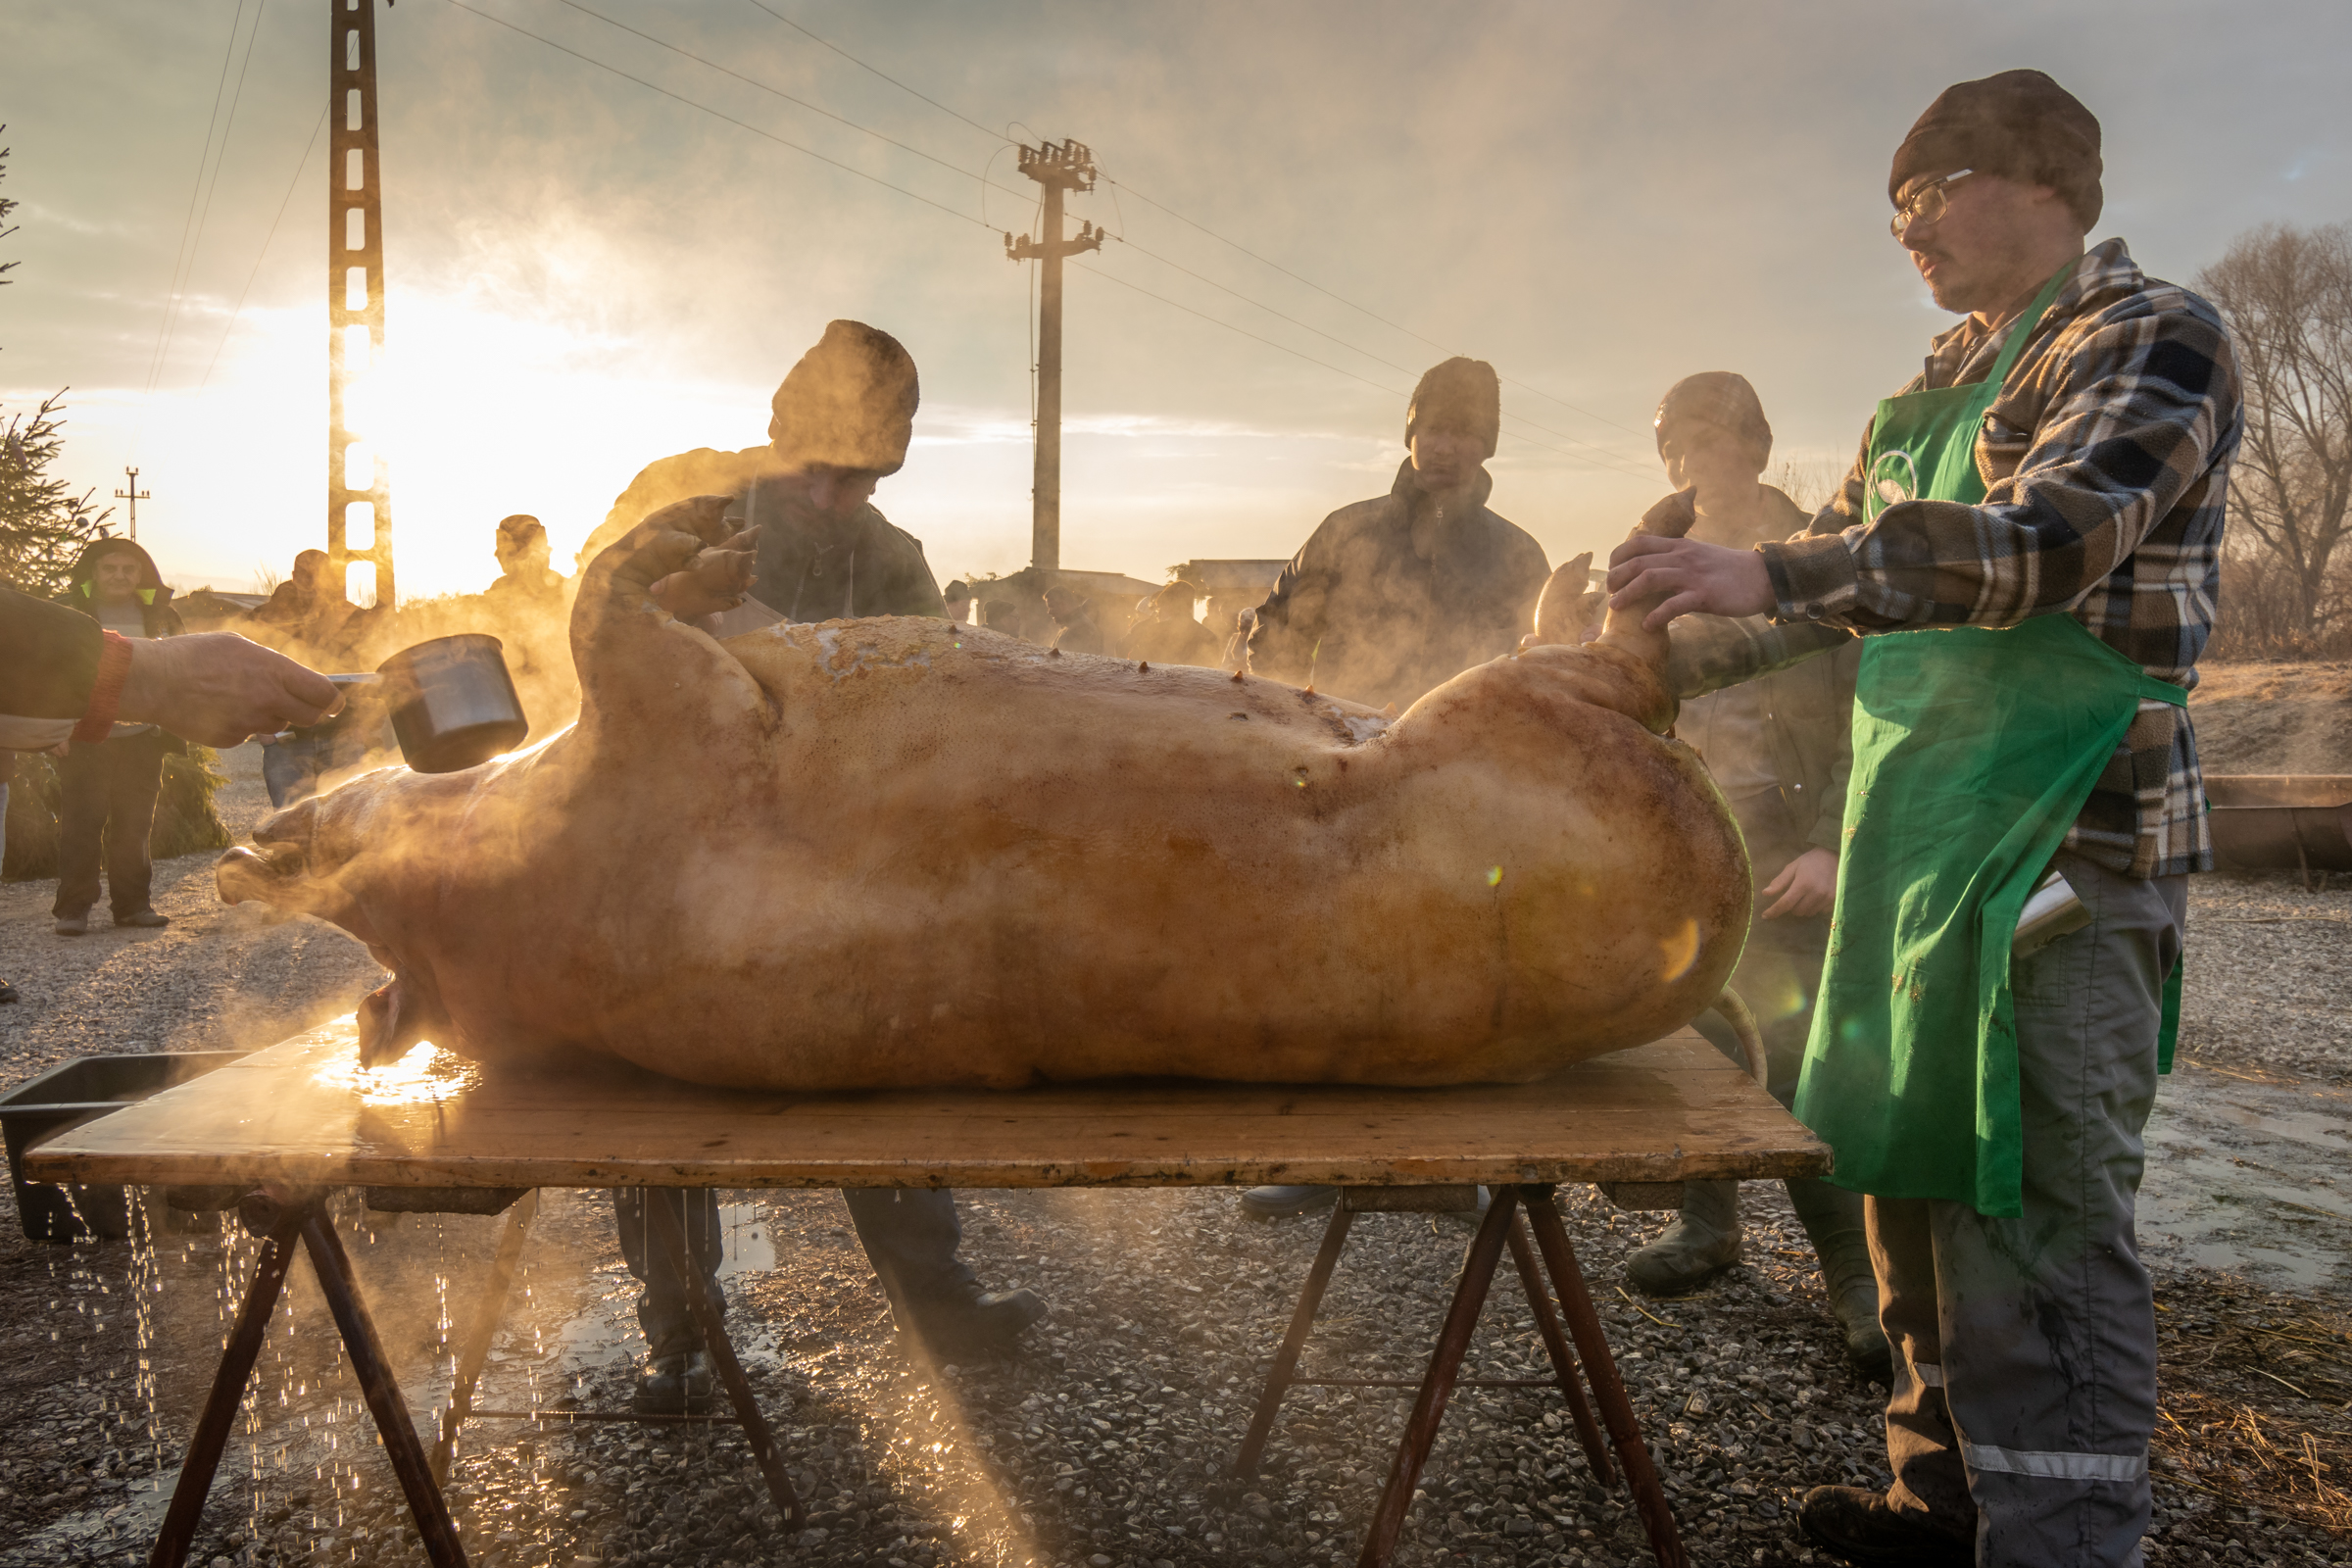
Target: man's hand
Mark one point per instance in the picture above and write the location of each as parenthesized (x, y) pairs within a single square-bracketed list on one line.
[(1692, 578), (217, 688), (1806, 885)]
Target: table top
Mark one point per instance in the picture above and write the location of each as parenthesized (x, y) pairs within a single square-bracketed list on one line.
[(303, 1112)]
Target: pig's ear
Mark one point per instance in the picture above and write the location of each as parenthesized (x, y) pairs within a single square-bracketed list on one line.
[(639, 666)]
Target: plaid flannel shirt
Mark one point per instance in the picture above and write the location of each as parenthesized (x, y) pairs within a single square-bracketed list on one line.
[(2106, 465)]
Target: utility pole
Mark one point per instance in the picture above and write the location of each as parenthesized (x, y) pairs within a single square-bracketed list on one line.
[(355, 272), (135, 495), (1058, 168)]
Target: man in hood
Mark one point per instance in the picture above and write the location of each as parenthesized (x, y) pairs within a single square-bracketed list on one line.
[(110, 785), (1395, 596)]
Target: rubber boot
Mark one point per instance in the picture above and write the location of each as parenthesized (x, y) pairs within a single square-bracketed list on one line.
[(1832, 1220), (1701, 1243)]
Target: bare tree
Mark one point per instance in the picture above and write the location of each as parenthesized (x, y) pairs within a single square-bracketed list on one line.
[(2287, 294)]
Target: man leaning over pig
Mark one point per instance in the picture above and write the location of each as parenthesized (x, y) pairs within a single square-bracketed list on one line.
[(842, 422)]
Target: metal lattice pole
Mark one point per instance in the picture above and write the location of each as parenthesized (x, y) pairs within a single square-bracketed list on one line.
[(355, 270)]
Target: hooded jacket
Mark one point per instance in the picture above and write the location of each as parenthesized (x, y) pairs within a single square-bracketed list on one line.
[(1360, 615), (155, 614)]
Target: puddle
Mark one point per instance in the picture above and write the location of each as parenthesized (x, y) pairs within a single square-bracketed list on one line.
[(2250, 1178)]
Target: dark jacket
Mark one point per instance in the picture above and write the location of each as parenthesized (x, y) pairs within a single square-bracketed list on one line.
[(1803, 713), (1082, 633), (812, 566), (48, 657), (1364, 618)]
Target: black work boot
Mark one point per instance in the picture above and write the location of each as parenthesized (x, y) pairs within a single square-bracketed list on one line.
[(1859, 1527), (1832, 1220), (677, 1383), (966, 1327), (1701, 1243)]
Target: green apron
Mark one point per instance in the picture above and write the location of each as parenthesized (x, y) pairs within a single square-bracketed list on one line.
[(1975, 749)]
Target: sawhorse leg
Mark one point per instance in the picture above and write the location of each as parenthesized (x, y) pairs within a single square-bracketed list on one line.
[(483, 1332), (282, 1223), (1563, 1360), (1286, 1359), (1583, 1326), (662, 1230)]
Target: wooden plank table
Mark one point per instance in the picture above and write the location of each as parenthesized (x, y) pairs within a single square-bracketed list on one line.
[(287, 1124)]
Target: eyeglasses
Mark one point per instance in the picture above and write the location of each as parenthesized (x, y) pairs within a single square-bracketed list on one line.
[(1926, 204)]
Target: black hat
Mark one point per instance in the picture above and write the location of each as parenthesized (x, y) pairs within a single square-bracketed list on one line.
[(1722, 399), (2019, 124), (1462, 393)]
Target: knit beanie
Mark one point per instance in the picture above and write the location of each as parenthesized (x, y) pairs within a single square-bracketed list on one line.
[(2019, 124), (1722, 399), (848, 404)]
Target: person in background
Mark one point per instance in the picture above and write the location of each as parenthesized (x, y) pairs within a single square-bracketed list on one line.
[(1778, 747), (524, 575), (1002, 614), (1078, 631), (1395, 596), (1165, 633), (108, 786), (960, 601), (842, 422), (310, 609)]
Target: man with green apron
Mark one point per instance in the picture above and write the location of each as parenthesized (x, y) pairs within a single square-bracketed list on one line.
[(2029, 545)]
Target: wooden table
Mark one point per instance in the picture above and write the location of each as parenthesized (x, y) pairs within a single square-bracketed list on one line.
[(286, 1124)]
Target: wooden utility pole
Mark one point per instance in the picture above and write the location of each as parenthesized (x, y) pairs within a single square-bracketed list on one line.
[(135, 495), (1058, 168), (355, 270)]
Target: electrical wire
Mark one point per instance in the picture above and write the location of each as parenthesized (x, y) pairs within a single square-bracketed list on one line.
[(1604, 460), (869, 69), (203, 218), (769, 135), (300, 165), (155, 357), (1263, 261)]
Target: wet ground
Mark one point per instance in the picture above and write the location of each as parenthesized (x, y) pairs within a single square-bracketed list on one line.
[(1105, 1442)]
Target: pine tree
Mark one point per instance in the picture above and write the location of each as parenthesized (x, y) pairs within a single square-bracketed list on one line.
[(43, 525)]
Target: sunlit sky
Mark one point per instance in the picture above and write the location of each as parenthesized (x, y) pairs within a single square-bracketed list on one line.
[(585, 275)]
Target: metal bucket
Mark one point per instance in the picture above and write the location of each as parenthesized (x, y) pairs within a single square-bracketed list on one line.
[(2282, 821), (452, 701)]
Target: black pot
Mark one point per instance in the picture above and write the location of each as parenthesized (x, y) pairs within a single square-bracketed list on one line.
[(452, 701)]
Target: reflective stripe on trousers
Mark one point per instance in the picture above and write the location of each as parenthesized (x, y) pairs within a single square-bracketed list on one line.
[(2025, 1387)]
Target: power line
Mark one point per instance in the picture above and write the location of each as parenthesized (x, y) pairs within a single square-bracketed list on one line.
[(869, 69), (204, 219), (1600, 463), (1263, 261), (300, 165), (770, 135), (155, 359), (781, 93)]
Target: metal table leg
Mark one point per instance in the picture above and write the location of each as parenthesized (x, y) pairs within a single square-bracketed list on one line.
[(483, 1333), (1286, 1359), (203, 1459), (1563, 1360), (1429, 1408), (662, 1230), (1583, 1326), (384, 1399)]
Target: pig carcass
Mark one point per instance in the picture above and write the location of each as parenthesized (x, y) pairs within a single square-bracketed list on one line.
[(902, 852)]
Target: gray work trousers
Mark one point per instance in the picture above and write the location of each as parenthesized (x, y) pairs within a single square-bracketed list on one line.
[(2024, 1350)]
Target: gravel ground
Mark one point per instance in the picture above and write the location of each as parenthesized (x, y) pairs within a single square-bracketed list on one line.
[(1104, 1443)]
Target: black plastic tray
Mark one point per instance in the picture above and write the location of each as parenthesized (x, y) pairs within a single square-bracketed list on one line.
[(69, 1095)]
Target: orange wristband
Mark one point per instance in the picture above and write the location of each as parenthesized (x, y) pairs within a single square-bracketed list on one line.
[(105, 692)]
